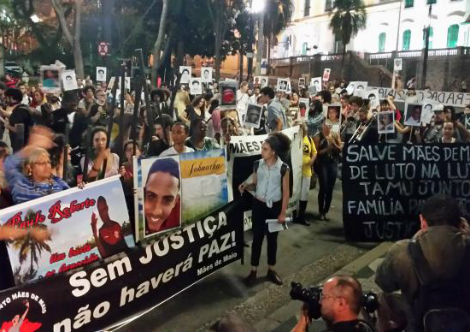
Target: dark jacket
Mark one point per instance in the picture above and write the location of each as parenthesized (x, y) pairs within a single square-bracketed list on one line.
[(443, 247)]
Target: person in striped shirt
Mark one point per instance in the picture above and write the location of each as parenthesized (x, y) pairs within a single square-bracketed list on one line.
[(29, 173)]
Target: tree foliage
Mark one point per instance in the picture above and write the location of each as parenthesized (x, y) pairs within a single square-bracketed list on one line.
[(347, 18)]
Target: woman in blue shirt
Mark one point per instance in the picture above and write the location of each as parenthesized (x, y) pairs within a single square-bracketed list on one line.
[(35, 179), (270, 181)]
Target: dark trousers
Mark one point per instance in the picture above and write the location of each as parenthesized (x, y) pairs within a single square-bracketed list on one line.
[(327, 173), (260, 213)]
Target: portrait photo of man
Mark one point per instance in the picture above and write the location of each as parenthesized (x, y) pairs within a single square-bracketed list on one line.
[(101, 74), (385, 122), (373, 97), (206, 75), (162, 196), (413, 115), (264, 82), (109, 238), (253, 115), (195, 86), (283, 86), (186, 73)]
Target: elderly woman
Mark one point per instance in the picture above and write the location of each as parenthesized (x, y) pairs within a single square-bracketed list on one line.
[(35, 180)]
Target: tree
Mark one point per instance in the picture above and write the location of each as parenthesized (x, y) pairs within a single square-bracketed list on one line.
[(223, 14), (347, 18), (29, 246), (72, 32), (156, 52), (277, 15)]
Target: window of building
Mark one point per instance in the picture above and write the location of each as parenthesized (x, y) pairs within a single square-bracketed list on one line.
[(304, 48), (382, 38), (306, 11), (329, 4), (406, 40), (452, 35), (430, 44), (409, 3)]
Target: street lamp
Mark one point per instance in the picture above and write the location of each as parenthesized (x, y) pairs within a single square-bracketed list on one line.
[(257, 9)]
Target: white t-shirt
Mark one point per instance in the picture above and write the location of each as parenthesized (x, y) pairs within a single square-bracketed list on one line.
[(172, 152)]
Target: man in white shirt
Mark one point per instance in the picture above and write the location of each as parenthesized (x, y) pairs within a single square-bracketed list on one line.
[(179, 134), (242, 100)]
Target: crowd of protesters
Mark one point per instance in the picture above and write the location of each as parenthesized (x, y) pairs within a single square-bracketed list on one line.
[(88, 139), (54, 142)]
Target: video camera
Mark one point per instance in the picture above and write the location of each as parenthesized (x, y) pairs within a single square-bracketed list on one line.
[(312, 295)]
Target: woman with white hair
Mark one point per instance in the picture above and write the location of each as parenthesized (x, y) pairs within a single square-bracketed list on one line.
[(29, 172)]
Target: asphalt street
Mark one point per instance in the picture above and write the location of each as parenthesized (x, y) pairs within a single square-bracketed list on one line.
[(306, 254)]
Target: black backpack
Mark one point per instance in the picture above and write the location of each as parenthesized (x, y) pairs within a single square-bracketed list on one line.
[(440, 305)]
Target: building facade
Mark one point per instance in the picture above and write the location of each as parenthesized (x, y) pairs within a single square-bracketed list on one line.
[(392, 25)]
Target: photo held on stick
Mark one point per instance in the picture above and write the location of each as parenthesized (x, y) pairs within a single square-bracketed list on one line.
[(212, 165)]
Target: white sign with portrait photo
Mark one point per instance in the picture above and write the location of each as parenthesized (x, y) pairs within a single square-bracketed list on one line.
[(316, 82), (186, 74), (69, 80), (264, 81), (385, 122), (283, 85), (374, 100), (195, 86), (413, 115), (253, 116), (360, 89), (101, 74), (397, 64), (428, 111), (206, 74)]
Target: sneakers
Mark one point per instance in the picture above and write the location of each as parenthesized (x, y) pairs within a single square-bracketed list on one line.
[(251, 278), (274, 277)]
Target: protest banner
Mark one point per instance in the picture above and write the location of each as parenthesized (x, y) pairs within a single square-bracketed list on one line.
[(180, 179), (101, 295), (244, 150), (86, 225), (456, 99), (50, 79), (385, 185)]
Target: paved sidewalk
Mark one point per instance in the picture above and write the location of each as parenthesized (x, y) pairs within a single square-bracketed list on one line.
[(284, 318)]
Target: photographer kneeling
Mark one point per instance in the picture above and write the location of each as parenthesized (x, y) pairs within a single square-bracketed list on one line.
[(340, 302)]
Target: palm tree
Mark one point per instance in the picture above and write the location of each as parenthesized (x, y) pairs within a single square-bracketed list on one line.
[(28, 245), (347, 18), (277, 15)]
